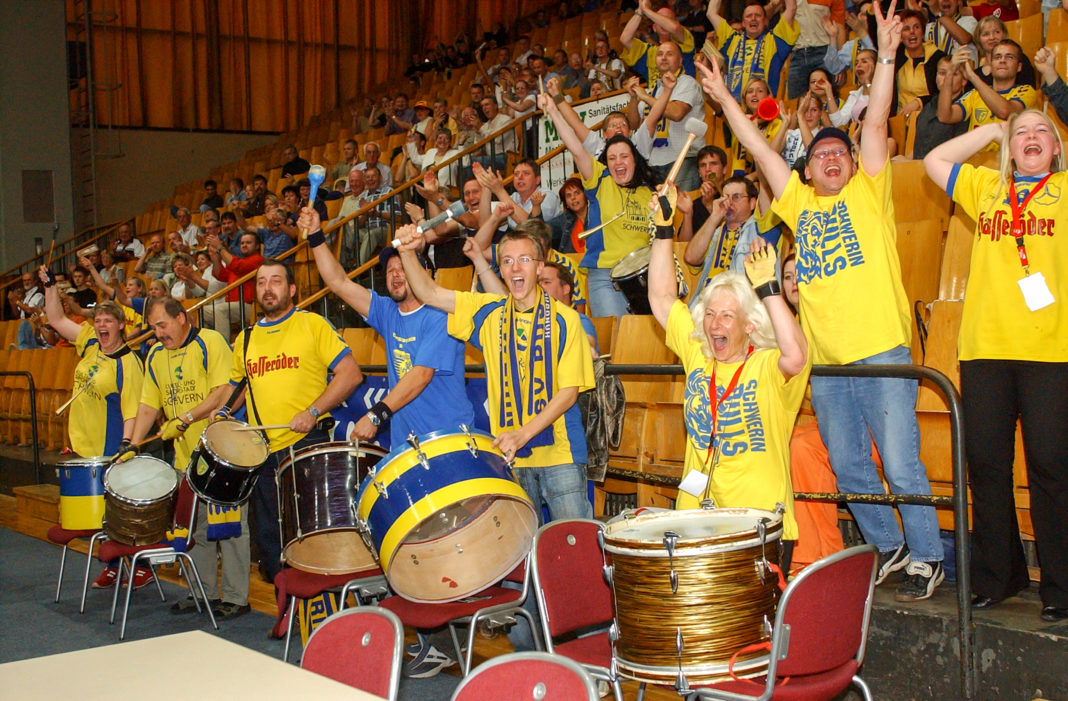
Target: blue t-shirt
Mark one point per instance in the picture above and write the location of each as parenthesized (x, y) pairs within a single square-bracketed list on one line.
[(420, 338), (275, 243), (591, 331)]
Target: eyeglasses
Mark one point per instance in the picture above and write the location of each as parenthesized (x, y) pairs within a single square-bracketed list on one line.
[(835, 153), (522, 260), (737, 197)]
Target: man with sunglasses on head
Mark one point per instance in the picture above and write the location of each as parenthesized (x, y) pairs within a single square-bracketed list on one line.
[(854, 312)]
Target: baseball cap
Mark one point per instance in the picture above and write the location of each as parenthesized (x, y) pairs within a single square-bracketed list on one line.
[(421, 104), (825, 134)]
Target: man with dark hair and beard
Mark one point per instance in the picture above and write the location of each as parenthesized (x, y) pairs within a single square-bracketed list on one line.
[(426, 364)]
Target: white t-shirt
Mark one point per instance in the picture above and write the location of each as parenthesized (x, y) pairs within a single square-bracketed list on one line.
[(671, 135)]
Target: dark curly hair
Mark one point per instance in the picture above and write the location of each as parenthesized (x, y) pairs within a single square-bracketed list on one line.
[(643, 174)]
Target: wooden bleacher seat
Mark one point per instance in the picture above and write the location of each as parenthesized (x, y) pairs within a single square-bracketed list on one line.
[(1027, 32), (1029, 7), (919, 248), (1057, 30), (606, 332), (915, 196), (361, 341), (458, 279), (956, 258), (943, 328)]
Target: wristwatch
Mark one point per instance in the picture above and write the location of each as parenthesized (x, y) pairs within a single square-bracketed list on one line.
[(314, 412), (374, 418)]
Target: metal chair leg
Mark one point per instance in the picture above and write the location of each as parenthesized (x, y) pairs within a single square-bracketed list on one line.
[(200, 585), (289, 628), (115, 591), (97, 538), (62, 564)]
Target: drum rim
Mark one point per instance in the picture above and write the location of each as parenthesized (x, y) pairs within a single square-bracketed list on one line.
[(109, 492), (203, 444), (329, 447), (433, 436), (754, 664), (689, 514), (628, 276), (94, 461)]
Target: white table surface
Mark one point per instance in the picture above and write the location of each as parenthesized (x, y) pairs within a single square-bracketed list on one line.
[(182, 666)]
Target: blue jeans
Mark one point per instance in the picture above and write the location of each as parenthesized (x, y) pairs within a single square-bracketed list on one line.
[(26, 339), (802, 62), (605, 299), (563, 489), (847, 409)]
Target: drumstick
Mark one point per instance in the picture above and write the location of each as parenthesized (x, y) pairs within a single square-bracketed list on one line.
[(271, 427), (696, 128), (77, 394), (594, 230)]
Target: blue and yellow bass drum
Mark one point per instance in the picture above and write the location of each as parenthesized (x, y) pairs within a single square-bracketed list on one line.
[(446, 516), (81, 493)]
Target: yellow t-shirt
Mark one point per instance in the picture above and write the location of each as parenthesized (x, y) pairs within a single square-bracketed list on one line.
[(753, 424), (178, 380), (763, 57), (977, 113), (287, 366), (477, 319), (995, 323), (112, 387), (630, 232), (639, 49)]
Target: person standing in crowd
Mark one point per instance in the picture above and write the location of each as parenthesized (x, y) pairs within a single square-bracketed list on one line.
[(1013, 350), (854, 312)]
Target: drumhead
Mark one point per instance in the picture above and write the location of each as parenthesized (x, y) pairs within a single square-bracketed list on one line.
[(631, 264), (141, 479), (242, 448), (693, 526), (84, 462)]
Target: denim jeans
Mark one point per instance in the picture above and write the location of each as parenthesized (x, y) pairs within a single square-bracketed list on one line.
[(604, 298), (847, 409), (802, 62), (563, 489), (26, 339)]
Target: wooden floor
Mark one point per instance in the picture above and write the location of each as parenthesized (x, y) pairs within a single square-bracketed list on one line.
[(261, 596)]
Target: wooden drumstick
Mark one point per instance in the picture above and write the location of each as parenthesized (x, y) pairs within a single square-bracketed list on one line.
[(594, 230), (271, 427), (77, 394), (695, 128)]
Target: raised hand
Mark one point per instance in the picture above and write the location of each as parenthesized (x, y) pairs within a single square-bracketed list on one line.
[(712, 82), (889, 28)]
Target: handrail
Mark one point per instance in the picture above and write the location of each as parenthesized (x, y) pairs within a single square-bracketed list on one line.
[(33, 419)]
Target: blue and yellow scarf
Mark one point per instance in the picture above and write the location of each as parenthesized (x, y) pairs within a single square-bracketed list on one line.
[(527, 367)]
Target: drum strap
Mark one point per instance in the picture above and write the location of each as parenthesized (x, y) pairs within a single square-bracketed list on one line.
[(254, 418)]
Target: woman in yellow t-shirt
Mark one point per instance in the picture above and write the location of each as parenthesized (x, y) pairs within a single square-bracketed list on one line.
[(1013, 349), (742, 346)]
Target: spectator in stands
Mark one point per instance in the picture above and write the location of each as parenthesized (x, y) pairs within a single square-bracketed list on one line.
[(621, 183), (841, 56), (214, 314), (498, 148), (349, 157), (276, 236), (81, 292), (916, 63), (154, 262), (126, 247), (371, 155), (592, 141), (189, 231), (1052, 84), (641, 55), (792, 140), (986, 36), (470, 122), (857, 100), (400, 117), (292, 164), (711, 168), (109, 270), (670, 135), (540, 66), (526, 181), (431, 158), (558, 280), (477, 92), (442, 121), (522, 49), (324, 195), (949, 30), (854, 311), (741, 329), (349, 206), (422, 117), (257, 202), (30, 305), (227, 232), (573, 219), (756, 51), (1013, 359), (574, 75), (815, 36), (726, 237), (376, 224), (212, 198), (518, 103), (237, 194), (406, 170), (178, 245), (604, 67), (931, 132), (229, 268), (691, 15), (988, 103), (503, 63), (188, 284)]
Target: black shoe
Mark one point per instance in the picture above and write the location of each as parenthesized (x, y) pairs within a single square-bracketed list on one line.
[(891, 561), (1054, 613), (187, 605), (985, 602), (225, 610)]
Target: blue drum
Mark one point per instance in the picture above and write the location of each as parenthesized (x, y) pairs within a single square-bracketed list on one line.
[(446, 516), (81, 493)]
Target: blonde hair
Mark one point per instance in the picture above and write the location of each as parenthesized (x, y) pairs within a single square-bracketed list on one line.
[(1006, 166), (753, 312)]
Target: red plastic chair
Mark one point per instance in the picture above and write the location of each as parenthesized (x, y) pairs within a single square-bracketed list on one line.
[(573, 596), (820, 633), (292, 584), (360, 647), (496, 605), (521, 676), (163, 553), (61, 536)]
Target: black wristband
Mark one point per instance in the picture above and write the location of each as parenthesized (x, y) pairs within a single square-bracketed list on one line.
[(51, 279), (382, 411), (666, 231), (316, 238), (770, 288)]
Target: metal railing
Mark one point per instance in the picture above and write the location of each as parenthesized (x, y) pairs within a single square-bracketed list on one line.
[(33, 419)]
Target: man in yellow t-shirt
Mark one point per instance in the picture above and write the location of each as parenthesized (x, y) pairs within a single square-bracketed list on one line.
[(756, 52), (296, 368), (854, 312), (641, 56), (187, 376), (988, 103)]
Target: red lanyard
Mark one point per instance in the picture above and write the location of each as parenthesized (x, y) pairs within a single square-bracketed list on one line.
[(1017, 215), (715, 403)]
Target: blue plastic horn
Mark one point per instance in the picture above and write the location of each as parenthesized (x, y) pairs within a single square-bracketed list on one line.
[(316, 174)]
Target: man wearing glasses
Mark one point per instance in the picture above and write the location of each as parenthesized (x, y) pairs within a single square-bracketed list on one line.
[(854, 311)]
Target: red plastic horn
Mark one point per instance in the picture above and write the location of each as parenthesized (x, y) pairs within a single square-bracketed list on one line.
[(768, 109)]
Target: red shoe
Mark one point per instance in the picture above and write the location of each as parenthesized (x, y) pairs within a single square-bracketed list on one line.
[(142, 577), (107, 578)]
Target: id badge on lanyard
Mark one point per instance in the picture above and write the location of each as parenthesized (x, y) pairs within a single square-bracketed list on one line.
[(1035, 291)]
